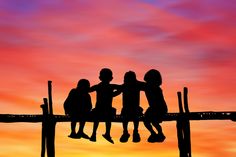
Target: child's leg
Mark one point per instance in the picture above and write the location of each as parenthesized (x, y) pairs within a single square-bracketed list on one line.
[(136, 124), (73, 126), (108, 128), (125, 127), (81, 127), (148, 125), (95, 127), (125, 136), (81, 131), (136, 136), (153, 136), (160, 137), (158, 127), (107, 135)]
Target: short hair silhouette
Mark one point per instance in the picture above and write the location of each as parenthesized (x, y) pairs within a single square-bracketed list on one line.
[(153, 76), (83, 85), (130, 77), (105, 75)]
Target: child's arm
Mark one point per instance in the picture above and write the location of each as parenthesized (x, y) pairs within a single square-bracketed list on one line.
[(118, 90), (141, 85), (93, 88)]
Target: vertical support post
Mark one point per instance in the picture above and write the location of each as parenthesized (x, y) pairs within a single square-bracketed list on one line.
[(44, 127), (180, 102), (186, 128), (183, 126), (51, 125), (50, 97), (179, 126), (186, 108)]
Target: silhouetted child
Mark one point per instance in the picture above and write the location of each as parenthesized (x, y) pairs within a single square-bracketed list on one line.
[(78, 105), (131, 101), (103, 109), (157, 105)]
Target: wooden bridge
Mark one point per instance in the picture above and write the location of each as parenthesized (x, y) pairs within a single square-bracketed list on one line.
[(49, 120)]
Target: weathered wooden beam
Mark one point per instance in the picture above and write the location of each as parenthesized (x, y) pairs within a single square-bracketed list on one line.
[(36, 118)]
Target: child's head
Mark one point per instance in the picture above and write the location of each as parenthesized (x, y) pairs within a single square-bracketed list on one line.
[(130, 77), (83, 85), (153, 76), (105, 75)]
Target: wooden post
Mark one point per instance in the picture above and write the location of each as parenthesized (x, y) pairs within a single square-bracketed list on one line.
[(187, 136), (51, 125), (180, 102), (50, 97), (186, 108), (179, 125), (183, 126), (44, 125)]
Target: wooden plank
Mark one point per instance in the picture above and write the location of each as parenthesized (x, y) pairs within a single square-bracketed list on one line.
[(36, 118)]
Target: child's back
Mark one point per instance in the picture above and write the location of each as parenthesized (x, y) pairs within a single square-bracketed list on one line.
[(155, 98), (104, 95), (78, 101)]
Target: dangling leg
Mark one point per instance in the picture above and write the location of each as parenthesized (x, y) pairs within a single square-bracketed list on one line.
[(148, 125), (81, 130), (107, 135), (136, 136), (160, 137), (73, 126), (95, 127), (152, 137), (125, 127), (158, 127), (126, 135)]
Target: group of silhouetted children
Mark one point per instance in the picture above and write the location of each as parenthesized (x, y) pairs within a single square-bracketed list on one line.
[(79, 106)]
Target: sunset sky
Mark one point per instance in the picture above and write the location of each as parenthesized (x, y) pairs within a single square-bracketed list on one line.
[(191, 42)]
